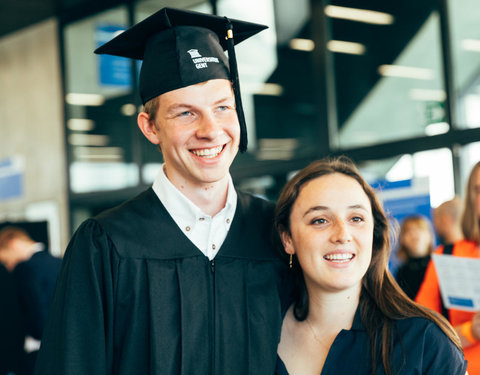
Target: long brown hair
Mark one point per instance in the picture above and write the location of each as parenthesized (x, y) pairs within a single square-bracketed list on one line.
[(382, 301), (470, 218)]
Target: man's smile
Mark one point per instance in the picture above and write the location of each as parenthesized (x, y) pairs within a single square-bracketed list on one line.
[(208, 153)]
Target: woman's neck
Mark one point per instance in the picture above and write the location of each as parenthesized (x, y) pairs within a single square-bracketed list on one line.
[(304, 345), (333, 311)]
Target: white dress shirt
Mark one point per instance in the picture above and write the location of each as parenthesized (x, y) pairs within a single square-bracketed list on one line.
[(206, 233)]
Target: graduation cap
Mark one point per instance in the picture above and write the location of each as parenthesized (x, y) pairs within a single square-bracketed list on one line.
[(180, 48)]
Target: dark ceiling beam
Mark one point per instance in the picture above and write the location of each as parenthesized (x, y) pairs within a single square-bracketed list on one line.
[(213, 5), (322, 69), (18, 14), (247, 166), (412, 145)]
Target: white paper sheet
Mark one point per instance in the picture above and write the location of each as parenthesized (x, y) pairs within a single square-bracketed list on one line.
[(459, 280)]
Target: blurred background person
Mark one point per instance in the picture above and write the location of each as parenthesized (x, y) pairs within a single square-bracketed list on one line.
[(446, 220), (34, 273), (416, 245), (12, 330), (467, 324)]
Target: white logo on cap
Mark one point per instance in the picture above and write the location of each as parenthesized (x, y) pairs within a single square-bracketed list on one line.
[(194, 53), (199, 61)]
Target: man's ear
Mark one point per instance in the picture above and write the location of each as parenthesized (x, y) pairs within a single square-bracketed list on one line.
[(148, 128), (287, 242)]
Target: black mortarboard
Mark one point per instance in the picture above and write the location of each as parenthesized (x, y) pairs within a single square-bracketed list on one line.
[(180, 48)]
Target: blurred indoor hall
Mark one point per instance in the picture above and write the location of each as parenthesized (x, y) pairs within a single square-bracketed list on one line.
[(394, 85)]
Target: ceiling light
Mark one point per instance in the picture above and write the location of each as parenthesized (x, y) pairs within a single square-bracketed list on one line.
[(471, 45), (427, 95), (88, 140), (128, 109), (272, 89), (99, 153), (359, 15), (405, 72), (80, 124), (277, 148), (302, 44), (84, 99), (351, 48), (437, 128)]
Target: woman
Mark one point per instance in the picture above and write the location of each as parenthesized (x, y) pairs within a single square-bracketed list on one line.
[(416, 245), (349, 316), (466, 323)]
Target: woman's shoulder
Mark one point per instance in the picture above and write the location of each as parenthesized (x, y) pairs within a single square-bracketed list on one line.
[(421, 327), (424, 340)]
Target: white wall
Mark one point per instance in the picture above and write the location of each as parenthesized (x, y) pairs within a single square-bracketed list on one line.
[(32, 127)]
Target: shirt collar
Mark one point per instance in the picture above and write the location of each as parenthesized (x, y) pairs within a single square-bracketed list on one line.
[(37, 247), (179, 206)]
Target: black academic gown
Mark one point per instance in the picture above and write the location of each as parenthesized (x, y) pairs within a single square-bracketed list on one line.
[(135, 296)]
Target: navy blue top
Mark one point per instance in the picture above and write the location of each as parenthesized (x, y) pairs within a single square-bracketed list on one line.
[(36, 278), (420, 347)]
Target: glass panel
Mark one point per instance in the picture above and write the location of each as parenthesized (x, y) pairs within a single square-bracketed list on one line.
[(465, 36), (280, 78), (256, 57), (436, 165), (469, 156), (146, 8), (388, 71), (99, 108)]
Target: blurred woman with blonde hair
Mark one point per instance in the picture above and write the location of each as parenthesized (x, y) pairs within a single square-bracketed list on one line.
[(466, 323), (415, 247)]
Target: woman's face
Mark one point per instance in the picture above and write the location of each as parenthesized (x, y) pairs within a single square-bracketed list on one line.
[(331, 232), (416, 240)]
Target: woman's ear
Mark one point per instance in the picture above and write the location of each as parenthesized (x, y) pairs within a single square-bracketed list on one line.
[(148, 128), (287, 242)]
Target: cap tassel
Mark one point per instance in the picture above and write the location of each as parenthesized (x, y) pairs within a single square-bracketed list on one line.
[(236, 86)]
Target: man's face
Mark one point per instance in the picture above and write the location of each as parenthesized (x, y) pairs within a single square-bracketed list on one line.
[(198, 132)]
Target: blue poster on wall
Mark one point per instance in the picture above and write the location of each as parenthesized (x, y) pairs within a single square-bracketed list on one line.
[(113, 70), (404, 198), (12, 172)]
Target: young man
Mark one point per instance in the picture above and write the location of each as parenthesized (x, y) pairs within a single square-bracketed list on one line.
[(181, 279), (34, 272), (447, 221)]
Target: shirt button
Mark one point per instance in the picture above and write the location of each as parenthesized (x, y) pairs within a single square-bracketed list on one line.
[(228, 221), (213, 246), (187, 228), (202, 219)]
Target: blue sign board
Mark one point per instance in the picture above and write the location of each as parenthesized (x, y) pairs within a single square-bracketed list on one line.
[(11, 178), (415, 205), (405, 198), (113, 70)]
